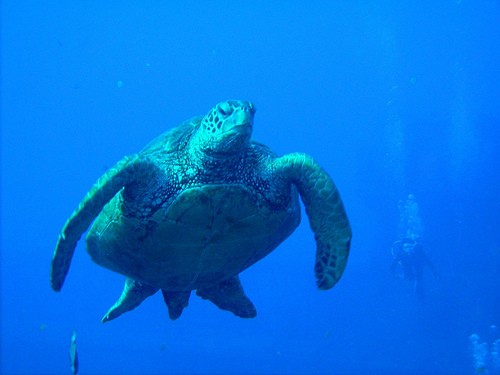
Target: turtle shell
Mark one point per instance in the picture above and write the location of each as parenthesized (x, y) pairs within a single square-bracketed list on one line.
[(170, 140), (206, 235)]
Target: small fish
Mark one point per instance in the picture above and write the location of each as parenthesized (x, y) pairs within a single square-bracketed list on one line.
[(73, 354)]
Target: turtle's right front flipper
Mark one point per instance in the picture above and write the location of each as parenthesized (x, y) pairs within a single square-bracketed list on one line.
[(125, 172)]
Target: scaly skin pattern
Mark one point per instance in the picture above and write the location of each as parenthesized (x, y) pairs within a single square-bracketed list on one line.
[(326, 214)]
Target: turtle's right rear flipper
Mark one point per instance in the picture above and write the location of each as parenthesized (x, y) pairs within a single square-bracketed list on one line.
[(133, 294), (125, 172), (229, 295)]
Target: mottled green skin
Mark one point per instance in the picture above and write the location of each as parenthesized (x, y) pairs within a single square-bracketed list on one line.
[(197, 206)]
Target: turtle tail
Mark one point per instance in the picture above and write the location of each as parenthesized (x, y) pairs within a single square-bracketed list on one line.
[(123, 173)]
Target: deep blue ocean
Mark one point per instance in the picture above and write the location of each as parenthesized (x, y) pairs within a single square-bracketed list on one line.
[(392, 98)]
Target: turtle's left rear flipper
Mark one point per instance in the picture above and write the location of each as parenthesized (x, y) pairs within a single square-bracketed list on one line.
[(229, 295)]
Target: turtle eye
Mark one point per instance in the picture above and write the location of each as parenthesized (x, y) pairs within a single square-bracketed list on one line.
[(225, 109)]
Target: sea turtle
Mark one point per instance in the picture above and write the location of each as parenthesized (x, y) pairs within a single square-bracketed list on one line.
[(198, 205)]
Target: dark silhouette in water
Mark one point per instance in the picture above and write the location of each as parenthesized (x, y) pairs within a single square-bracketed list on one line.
[(411, 258)]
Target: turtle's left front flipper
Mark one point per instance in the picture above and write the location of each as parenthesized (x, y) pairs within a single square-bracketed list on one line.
[(325, 211), (127, 171)]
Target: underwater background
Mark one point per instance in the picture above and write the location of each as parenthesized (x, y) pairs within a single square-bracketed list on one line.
[(392, 98)]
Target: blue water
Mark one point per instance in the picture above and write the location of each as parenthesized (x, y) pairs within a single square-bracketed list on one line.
[(390, 97)]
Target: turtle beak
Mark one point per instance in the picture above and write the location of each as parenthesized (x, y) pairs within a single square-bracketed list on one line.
[(240, 121), (242, 104)]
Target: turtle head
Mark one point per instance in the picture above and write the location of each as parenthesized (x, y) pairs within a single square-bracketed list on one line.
[(226, 129)]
